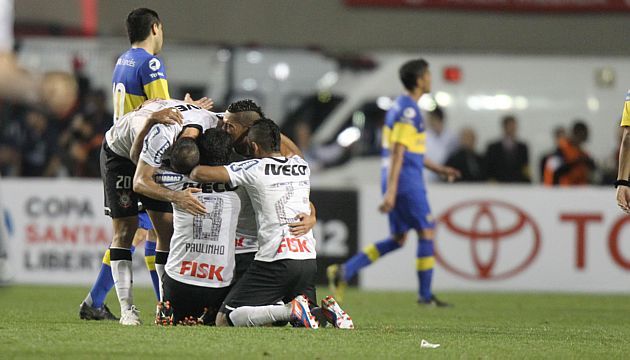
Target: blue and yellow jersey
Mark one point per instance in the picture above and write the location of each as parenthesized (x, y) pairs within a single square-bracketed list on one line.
[(625, 118), (138, 76), (404, 125)]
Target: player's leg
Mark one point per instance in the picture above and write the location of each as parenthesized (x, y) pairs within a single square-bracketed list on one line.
[(161, 215), (340, 275), (258, 292), (242, 262), (122, 269), (146, 232), (425, 260)]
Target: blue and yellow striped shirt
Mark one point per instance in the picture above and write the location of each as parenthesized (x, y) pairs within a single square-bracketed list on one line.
[(138, 76), (404, 125)]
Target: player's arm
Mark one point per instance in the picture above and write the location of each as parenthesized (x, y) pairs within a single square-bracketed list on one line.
[(448, 172), (165, 116), (204, 174), (144, 184), (288, 147), (396, 157), (306, 223), (623, 191)]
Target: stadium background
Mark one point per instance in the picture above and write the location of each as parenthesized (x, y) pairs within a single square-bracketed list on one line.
[(567, 59)]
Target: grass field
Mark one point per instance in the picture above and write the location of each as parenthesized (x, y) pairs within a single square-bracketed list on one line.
[(42, 322)]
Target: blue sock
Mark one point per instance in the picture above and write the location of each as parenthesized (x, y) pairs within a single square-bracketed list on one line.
[(367, 256), (424, 265), (104, 282), (149, 260)]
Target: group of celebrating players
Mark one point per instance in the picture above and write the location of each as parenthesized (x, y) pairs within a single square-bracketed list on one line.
[(227, 196)]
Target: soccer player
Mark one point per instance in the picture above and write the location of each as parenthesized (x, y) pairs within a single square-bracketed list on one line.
[(402, 183), (138, 75), (623, 176), (200, 266), (118, 168), (237, 120), (284, 266)]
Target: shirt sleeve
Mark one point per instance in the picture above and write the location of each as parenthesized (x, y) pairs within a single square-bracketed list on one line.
[(155, 145), (625, 118), (153, 77), (404, 131), (243, 172)]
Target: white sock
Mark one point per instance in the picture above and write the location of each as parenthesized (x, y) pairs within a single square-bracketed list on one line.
[(159, 269), (88, 300), (260, 315), (123, 279)]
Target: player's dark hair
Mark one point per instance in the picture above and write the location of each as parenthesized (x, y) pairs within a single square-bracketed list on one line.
[(266, 134), (246, 111), (410, 71), (215, 147), (140, 22), (184, 155), (580, 129)]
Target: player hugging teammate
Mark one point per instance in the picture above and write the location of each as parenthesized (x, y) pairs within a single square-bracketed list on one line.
[(277, 285)]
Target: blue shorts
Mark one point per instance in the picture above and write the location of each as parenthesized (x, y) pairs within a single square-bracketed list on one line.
[(143, 221), (412, 211)]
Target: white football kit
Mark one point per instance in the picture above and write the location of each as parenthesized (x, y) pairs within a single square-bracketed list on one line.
[(122, 134), (279, 190), (202, 246)]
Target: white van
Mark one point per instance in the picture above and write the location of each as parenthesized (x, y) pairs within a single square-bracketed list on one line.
[(543, 92)]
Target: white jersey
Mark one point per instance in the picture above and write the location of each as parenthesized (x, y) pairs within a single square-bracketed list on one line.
[(279, 189), (121, 136), (202, 247), (247, 228)]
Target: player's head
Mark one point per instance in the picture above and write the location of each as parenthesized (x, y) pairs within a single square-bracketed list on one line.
[(215, 147), (415, 76), (184, 155), (436, 119), (143, 23), (239, 117), (264, 137)]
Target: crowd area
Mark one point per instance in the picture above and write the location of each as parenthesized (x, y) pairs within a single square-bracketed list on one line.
[(37, 143)]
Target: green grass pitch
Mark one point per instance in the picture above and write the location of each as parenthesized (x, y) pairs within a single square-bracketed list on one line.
[(42, 322)]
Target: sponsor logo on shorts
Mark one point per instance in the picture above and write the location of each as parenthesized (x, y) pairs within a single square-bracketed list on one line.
[(124, 199)]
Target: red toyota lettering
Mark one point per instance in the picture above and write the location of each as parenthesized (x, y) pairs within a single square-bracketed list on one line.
[(580, 221)]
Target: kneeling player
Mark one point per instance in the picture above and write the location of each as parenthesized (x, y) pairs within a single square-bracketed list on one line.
[(200, 265), (284, 266)]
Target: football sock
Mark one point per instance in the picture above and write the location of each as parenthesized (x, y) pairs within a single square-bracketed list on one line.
[(160, 263), (120, 260), (103, 284), (149, 260), (424, 266), (260, 315), (367, 256)]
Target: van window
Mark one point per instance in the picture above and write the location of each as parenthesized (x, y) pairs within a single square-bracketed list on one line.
[(309, 114)]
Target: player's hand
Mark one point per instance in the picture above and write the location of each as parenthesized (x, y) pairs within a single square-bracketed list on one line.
[(389, 201), (623, 198), (450, 173), (304, 225), (188, 202), (204, 102), (170, 116)]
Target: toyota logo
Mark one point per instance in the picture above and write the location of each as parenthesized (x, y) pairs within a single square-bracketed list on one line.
[(487, 240)]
